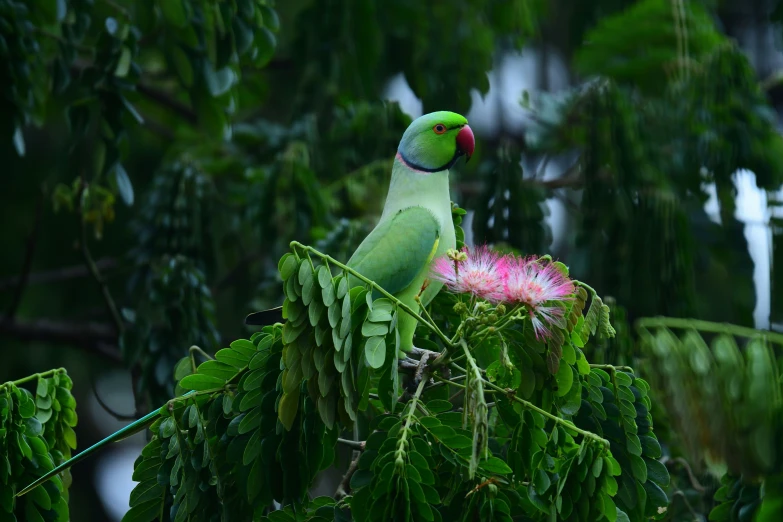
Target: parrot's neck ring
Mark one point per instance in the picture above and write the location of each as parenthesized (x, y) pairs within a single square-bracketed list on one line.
[(414, 166)]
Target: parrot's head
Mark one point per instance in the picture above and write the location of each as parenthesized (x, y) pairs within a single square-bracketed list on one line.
[(435, 141)]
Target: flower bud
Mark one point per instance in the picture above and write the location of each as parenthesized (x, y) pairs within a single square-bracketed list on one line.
[(454, 255), (399, 463), (460, 308), (482, 306), (493, 318), (493, 490), (501, 309)]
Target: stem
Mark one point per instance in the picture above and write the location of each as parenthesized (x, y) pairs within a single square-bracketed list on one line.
[(36, 376), (612, 368), (355, 444), (96, 274), (706, 326), (409, 417), (374, 285), (569, 425), (204, 354), (446, 382), (32, 243)]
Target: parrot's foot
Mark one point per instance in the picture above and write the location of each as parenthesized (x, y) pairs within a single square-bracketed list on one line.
[(421, 352)]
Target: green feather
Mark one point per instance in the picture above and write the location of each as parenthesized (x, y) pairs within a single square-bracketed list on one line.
[(397, 249)]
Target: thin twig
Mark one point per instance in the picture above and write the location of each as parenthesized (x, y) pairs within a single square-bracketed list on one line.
[(666, 461), (35, 376), (168, 101), (56, 275), (120, 9), (107, 408), (612, 368), (77, 333), (442, 381), (96, 274), (32, 242), (355, 444), (345, 484), (706, 326), (530, 406)]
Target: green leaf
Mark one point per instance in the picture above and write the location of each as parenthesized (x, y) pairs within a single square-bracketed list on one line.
[(374, 329), (657, 472), (41, 498), (31, 512), (144, 512), (201, 382), (174, 13), (375, 352), (288, 407), (324, 276), (251, 421), (287, 266), (638, 468), (232, 357), (217, 369), (564, 379), (439, 406), (495, 465), (146, 491), (18, 140), (182, 65), (123, 64), (244, 347)]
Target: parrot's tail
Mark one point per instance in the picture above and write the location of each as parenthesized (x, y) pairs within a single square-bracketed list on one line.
[(265, 317)]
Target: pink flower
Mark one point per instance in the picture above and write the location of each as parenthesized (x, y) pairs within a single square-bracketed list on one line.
[(481, 273), (534, 284)]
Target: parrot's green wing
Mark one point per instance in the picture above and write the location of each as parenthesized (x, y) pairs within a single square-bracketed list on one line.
[(397, 249)]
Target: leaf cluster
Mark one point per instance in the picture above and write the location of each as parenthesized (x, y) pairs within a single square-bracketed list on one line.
[(36, 434), (220, 452)]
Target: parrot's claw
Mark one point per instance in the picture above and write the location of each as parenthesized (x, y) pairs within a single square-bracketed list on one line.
[(409, 363), (421, 352)]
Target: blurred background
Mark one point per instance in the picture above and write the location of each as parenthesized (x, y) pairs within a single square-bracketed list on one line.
[(156, 158)]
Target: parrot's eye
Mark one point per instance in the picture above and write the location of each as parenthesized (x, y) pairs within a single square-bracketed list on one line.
[(439, 128)]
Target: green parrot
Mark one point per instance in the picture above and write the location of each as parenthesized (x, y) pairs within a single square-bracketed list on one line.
[(416, 226)]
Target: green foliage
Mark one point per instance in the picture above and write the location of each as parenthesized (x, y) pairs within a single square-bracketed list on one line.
[(559, 438), (356, 59), (725, 403), (648, 42), (173, 306), (511, 209), (36, 434), (227, 131), (221, 451)]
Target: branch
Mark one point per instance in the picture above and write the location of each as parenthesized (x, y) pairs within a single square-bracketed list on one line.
[(530, 406), (355, 444), (163, 98), (32, 242), (92, 337), (58, 274), (706, 326), (96, 274), (345, 483), (107, 408)]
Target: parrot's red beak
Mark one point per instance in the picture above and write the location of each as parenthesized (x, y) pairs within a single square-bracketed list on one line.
[(465, 142)]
